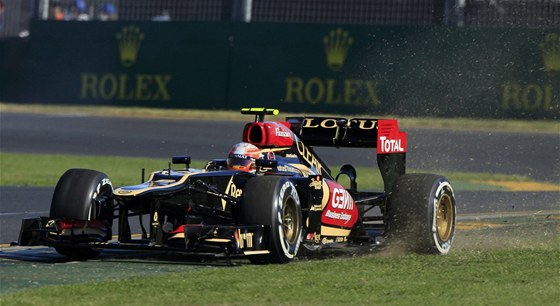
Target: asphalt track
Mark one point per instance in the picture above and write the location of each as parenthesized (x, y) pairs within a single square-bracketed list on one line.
[(536, 155)]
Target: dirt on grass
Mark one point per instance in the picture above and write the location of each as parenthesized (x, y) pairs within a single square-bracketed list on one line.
[(541, 231)]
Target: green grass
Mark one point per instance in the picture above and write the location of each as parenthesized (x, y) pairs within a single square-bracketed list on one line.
[(497, 277), (45, 169), (18, 169), (516, 264)]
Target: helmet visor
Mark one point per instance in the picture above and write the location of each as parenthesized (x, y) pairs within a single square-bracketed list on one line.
[(236, 163)]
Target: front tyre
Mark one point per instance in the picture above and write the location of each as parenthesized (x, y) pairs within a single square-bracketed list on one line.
[(83, 204), (421, 214), (274, 201)]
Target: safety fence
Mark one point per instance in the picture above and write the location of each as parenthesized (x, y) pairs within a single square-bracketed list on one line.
[(512, 13), (15, 15)]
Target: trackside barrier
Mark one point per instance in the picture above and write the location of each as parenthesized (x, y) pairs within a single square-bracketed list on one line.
[(412, 71), (166, 65)]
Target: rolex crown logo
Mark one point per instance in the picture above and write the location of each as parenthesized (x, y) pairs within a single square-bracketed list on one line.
[(550, 47), (129, 40), (337, 43)]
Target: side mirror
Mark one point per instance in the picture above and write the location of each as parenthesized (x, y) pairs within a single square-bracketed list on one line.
[(186, 160)]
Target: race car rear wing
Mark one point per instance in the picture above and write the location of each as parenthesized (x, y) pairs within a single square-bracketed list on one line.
[(383, 134)]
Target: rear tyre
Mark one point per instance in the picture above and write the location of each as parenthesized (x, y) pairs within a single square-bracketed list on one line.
[(420, 215), (83, 195), (274, 201)]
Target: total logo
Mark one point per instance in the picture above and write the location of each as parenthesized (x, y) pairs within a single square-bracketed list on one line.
[(390, 139), (390, 145)]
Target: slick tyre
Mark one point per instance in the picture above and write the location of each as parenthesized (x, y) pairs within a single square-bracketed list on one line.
[(83, 195), (274, 201), (421, 213)]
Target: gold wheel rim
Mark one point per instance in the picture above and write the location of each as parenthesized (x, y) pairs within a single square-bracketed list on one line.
[(290, 222), (444, 218)]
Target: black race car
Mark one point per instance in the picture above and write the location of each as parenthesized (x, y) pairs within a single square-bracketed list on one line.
[(289, 201)]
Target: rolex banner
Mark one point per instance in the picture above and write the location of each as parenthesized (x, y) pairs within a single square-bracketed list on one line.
[(140, 63), (405, 71), (420, 71)]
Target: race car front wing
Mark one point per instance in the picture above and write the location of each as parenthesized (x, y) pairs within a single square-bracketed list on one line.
[(195, 239)]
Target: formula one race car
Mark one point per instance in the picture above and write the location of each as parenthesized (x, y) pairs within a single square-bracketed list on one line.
[(271, 199)]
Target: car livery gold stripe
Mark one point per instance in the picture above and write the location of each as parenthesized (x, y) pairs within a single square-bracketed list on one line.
[(332, 231), (257, 252), (128, 192)]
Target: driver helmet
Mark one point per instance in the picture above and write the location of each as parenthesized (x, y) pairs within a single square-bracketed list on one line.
[(243, 156)]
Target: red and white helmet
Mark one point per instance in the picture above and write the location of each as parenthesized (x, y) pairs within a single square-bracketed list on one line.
[(243, 156)]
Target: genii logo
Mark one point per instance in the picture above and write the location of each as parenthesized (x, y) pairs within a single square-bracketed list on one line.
[(341, 199), (389, 138), (341, 210)]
